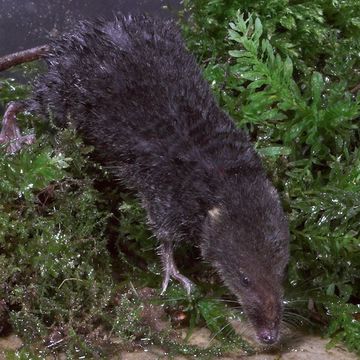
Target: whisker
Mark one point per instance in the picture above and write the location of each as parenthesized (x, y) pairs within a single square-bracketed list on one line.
[(302, 288), (214, 319), (172, 299), (217, 333), (227, 301), (295, 301), (287, 312), (245, 331), (290, 322), (297, 317), (284, 327)]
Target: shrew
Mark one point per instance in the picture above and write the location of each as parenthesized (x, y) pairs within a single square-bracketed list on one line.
[(135, 93)]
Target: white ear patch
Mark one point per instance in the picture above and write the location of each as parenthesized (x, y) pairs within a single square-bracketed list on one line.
[(214, 213)]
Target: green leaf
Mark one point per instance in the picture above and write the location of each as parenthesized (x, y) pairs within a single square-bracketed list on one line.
[(317, 87), (288, 22), (234, 35), (288, 68), (274, 151), (236, 53), (258, 30)]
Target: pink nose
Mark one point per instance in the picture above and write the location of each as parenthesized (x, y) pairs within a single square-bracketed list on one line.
[(267, 336)]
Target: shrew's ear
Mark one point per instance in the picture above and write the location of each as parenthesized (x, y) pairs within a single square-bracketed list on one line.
[(214, 213)]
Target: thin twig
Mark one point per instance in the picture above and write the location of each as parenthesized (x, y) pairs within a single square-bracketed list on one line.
[(355, 89), (21, 57)]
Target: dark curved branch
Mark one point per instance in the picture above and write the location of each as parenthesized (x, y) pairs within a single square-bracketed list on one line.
[(355, 89), (21, 57)]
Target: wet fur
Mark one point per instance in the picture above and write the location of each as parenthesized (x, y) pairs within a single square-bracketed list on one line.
[(133, 91)]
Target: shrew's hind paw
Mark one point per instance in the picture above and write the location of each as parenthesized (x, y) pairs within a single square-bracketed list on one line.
[(15, 144), (10, 132), (187, 284), (171, 271)]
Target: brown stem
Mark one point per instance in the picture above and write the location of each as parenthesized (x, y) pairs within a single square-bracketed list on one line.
[(355, 89), (20, 57)]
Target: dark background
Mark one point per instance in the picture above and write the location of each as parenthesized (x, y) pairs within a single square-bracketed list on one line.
[(27, 23)]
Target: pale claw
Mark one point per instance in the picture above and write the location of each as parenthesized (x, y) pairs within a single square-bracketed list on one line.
[(170, 269)]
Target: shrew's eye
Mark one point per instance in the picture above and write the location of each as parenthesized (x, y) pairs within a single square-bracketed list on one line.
[(245, 281)]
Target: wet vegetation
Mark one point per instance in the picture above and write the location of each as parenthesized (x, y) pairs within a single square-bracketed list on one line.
[(79, 270)]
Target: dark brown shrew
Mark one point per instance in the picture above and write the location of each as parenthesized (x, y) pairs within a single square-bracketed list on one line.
[(135, 93)]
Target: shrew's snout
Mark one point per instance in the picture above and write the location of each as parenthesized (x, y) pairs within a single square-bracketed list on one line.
[(265, 315), (268, 336)]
